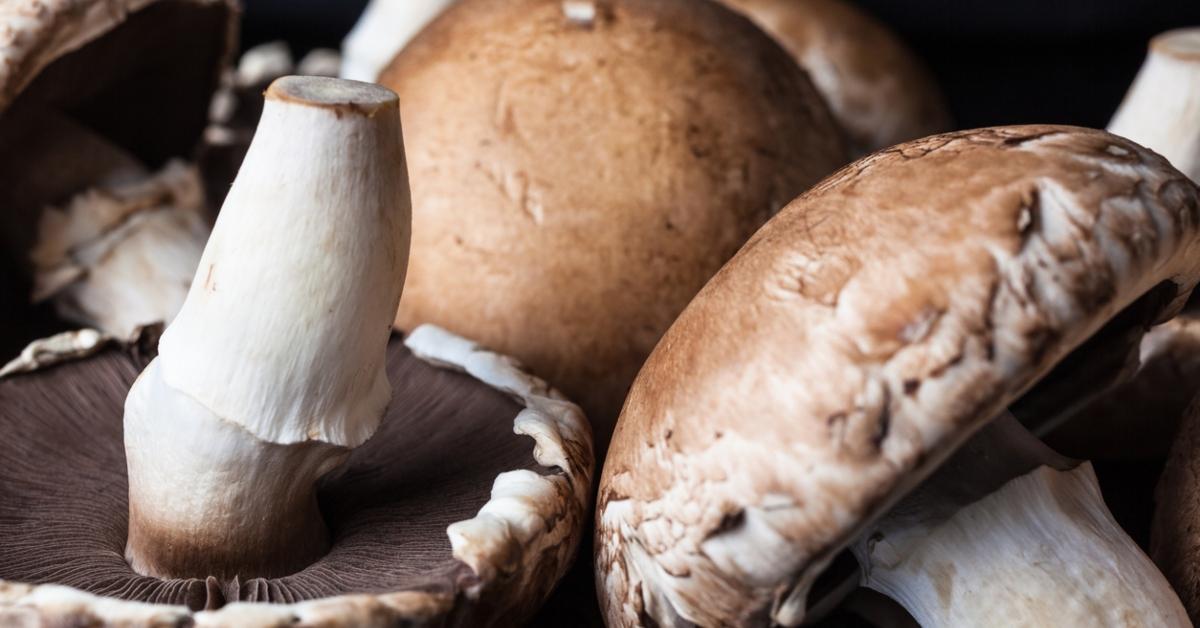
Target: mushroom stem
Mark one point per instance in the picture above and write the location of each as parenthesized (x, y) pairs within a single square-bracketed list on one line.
[(1038, 549), (1162, 109), (274, 368)]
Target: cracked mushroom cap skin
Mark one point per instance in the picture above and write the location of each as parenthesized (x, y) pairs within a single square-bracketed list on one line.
[(856, 341), (419, 537), (127, 108), (879, 91), (592, 163)]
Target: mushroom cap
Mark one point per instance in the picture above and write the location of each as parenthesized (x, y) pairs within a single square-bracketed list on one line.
[(466, 506), (91, 90), (879, 91), (592, 164), (858, 339)]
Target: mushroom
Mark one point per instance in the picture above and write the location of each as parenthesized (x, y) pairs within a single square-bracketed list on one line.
[(859, 339), (99, 99), (280, 448), (1152, 401), (593, 163), (879, 91), (383, 29), (1173, 541), (1163, 104)]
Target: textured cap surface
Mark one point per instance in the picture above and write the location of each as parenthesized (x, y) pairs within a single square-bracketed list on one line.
[(855, 341)]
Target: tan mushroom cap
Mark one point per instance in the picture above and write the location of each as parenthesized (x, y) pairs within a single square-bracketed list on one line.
[(579, 170), (856, 340), (879, 91)]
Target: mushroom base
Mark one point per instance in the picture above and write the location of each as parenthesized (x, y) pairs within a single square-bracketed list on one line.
[(1041, 551), (208, 498)]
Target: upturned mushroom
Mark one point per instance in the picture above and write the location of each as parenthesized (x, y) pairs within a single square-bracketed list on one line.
[(383, 29), (99, 101), (855, 343), (1162, 108), (280, 448), (878, 90), (593, 163)]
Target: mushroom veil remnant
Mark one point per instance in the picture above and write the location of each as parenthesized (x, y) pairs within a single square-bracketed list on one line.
[(883, 326), (284, 445), (1162, 109), (102, 102)]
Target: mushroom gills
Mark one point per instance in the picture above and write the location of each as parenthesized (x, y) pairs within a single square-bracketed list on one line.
[(387, 514), (1008, 530)]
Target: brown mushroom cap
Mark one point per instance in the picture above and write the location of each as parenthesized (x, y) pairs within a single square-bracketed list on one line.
[(1174, 542), (879, 91), (858, 339), (434, 462), (90, 85), (576, 180)]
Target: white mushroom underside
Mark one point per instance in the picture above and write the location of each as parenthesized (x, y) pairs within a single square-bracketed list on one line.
[(1041, 551), (520, 528)]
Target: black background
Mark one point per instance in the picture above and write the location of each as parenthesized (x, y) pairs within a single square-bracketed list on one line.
[(998, 61)]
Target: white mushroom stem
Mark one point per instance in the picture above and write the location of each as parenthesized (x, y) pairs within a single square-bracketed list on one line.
[(1162, 109), (274, 368), (384, 28), (1040, 550)]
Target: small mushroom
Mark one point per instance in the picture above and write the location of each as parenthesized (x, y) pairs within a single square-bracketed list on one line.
[(383, 29), (879, 91), (280, 447), (1162, 109), (853, 345), (593, 169), (99, 102)]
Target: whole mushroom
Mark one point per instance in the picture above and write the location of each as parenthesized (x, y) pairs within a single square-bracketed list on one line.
[(878, 90), (284, 446), (101, 104), (873, 328), (592, 163)]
